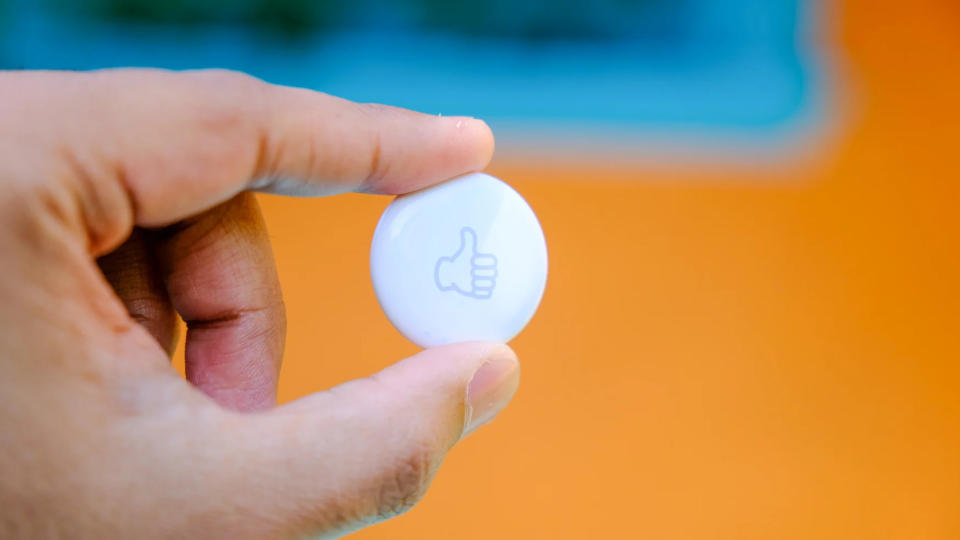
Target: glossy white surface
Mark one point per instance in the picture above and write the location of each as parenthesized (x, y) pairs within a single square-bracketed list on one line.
[(462, 261)]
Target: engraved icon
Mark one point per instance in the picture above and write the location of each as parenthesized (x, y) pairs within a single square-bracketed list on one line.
[(466, 271)]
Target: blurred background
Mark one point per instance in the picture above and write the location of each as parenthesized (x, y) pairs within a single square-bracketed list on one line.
[(752, 323)]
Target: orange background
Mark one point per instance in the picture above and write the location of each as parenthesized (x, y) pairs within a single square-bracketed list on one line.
[(723, 354)]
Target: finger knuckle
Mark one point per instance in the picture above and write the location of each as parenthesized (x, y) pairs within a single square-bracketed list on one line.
[(225, 121), (229, 101), (407, 480), (37, 211), (226, 141)]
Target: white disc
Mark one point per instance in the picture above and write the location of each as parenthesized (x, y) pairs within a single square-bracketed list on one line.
[(465, 260)]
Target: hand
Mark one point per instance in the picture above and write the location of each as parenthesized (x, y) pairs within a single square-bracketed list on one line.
[(150, 172), (466, 271)]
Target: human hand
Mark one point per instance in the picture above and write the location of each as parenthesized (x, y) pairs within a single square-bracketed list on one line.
[(149, 173)]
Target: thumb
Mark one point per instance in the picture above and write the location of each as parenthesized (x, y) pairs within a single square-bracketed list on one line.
[(367, 450), (468, 241)]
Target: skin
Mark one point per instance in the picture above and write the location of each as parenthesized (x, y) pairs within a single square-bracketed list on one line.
[(125, 202)]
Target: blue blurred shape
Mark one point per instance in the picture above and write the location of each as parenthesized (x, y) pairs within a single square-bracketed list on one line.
[(692, 70)]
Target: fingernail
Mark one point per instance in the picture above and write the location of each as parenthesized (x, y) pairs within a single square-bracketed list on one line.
[(489, 391)]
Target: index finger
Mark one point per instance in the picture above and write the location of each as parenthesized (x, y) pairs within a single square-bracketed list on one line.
[(151, 147)]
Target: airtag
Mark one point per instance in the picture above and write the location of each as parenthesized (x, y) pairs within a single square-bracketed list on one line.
[(465, 260)]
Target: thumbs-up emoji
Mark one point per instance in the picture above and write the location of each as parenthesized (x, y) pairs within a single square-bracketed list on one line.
[(466, 271)]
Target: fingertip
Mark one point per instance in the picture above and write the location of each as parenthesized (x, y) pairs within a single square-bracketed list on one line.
[(473, 142), (481, 137), (491, 388), (448, 147)]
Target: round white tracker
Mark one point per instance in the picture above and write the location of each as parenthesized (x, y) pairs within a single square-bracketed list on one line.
[(461, 261)]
